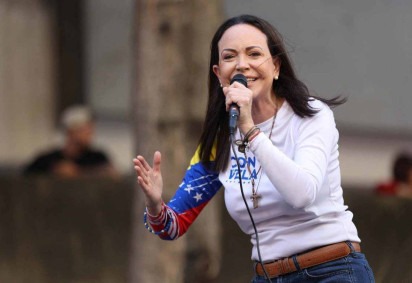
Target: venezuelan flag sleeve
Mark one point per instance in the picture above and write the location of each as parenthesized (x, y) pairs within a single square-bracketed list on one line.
[(198, 187)]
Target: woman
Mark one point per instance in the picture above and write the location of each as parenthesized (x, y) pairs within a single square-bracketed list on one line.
[(285, 163)]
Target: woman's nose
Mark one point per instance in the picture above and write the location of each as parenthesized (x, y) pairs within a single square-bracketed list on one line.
[(242, 63)]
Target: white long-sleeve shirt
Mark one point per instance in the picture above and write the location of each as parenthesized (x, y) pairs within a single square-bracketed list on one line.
[(301, 205)]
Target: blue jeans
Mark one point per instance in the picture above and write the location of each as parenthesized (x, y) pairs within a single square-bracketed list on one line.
[(352, 268)]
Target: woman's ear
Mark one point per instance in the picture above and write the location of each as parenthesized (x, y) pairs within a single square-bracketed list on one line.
[(216, 70), (276, 70)]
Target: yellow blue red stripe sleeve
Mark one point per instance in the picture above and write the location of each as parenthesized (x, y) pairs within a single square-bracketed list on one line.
[(198, 187)]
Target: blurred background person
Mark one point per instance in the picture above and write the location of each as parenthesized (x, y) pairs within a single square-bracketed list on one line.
[(77, 156), (401, 183)]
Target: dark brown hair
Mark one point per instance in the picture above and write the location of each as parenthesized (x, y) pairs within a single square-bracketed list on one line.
[(402, 167), (215, 127)]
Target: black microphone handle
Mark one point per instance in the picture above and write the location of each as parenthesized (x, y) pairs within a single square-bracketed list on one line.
[(234, 108), (233, 116)]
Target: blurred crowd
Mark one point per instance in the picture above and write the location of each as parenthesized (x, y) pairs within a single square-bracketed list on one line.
[(77, 156)]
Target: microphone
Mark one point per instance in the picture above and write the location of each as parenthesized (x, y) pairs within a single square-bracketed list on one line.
[(234, 108)]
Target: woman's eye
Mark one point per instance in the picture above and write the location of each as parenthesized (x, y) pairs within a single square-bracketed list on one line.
[(228, 57), (254, 54)]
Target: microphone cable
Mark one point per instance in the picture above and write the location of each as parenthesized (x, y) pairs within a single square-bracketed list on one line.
[(247, 207)]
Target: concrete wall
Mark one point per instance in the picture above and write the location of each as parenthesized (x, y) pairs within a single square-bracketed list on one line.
[(64, 230), (26, 79), (79, 231)]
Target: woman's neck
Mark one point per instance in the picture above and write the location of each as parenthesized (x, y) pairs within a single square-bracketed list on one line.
[(264, 109)]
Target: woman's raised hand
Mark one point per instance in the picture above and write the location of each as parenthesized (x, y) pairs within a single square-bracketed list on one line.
[(150, 180)]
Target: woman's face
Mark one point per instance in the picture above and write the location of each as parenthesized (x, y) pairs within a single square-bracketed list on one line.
[(243, 50)]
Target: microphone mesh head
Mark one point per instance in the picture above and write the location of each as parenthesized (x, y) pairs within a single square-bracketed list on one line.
[(240, 79)]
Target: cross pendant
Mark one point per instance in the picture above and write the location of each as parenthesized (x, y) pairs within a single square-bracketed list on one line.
[(255, 199)]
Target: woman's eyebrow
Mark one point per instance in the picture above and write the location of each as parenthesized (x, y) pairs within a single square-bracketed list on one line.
[(228, 49), (247, 48), (252, 47)]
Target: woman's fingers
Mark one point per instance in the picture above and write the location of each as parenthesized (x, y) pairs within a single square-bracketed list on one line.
[(139, 167), (157, 158), (150, 181), (144, 163), (141, 175), (146, 175), (239, 96)]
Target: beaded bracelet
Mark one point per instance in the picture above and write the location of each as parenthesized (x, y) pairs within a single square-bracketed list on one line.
[(146, 224)]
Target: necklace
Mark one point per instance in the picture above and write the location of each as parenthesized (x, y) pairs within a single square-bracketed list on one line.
[(255, 196)]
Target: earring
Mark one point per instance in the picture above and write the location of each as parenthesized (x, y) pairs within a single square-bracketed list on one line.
[(276, 78), (221, 85)]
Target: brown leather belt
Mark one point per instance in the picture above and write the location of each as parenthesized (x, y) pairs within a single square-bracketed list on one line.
[(308, 259)]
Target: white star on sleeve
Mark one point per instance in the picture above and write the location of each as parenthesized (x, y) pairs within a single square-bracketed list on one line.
[(188, 189), (198, 197)]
